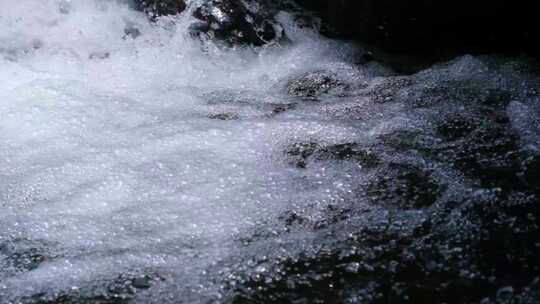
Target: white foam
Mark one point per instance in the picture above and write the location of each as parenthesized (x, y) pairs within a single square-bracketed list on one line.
[(106, 153)]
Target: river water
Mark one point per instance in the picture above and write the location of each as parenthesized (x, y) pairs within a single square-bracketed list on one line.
[(111, 161), (140, 163)]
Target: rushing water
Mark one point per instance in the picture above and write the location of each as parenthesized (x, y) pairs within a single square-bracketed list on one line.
[(109, 160), (138, 162)]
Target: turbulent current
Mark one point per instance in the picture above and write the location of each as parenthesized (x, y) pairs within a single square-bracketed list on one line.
[(140, 163), (109, 155)]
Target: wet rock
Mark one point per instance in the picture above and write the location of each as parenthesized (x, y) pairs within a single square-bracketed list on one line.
[(300, 154), (460, 91), (406, 140), (404, 186), (142, 282), (449, 214), (385, 90), (486, 222), (455, 127), (450, 255), (485, 149), (156, 8), (237, 22), (466, 125), (335, 273), (311, 86), (348, 151)]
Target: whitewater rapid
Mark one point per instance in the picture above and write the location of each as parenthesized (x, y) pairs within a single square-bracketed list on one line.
[(110, 162)]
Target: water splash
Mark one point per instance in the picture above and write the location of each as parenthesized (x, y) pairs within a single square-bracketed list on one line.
[(109, 156)]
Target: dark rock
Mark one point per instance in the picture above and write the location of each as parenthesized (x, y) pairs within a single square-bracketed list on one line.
[(452, 255), (237, 22), (406, 140), (142, 282), (119, 290), (156, 8), (300, 154), (312, 85), (386, 89), (462, 91), (483, 146), (455, 127), (452, 202), (404, 186), (469, 127), (348, 151)]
